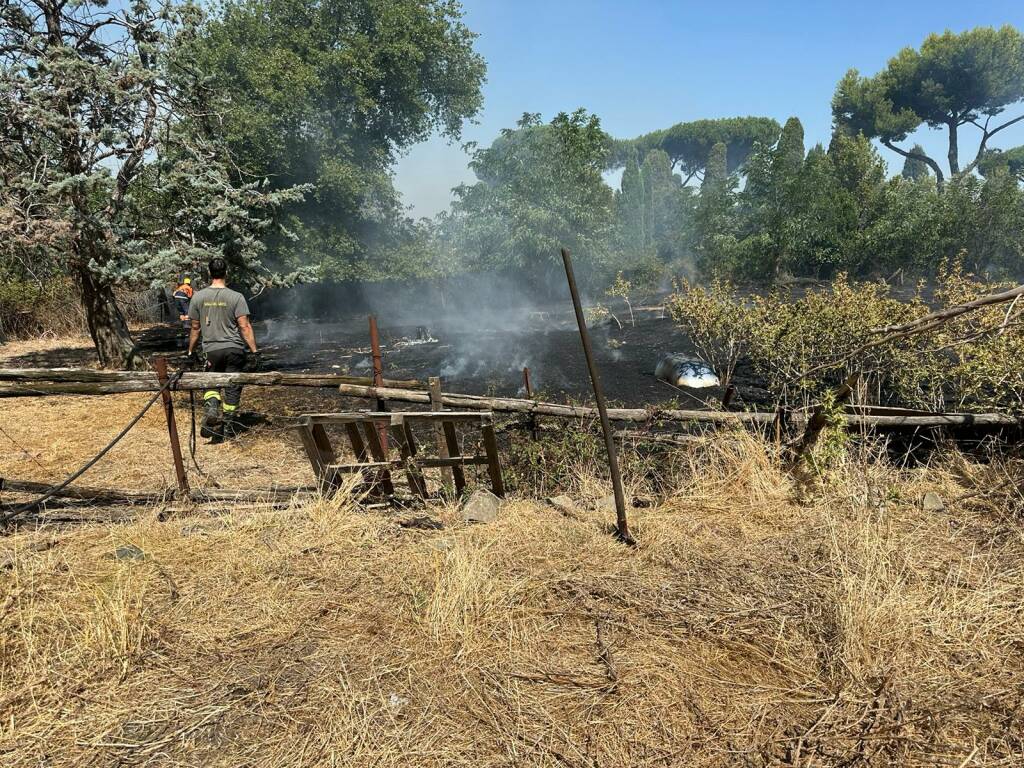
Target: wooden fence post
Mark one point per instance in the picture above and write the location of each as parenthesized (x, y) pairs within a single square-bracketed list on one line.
[(172, 427), (434, 383)]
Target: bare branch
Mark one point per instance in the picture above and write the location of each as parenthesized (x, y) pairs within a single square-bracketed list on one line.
[(984, 140), (940, 177)]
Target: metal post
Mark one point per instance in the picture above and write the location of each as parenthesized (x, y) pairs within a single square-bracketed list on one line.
[(378, 381), (436, 404), (172, 427), (621, 524)]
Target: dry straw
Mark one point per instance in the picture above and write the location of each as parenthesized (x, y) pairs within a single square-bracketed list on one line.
[(758, 623)]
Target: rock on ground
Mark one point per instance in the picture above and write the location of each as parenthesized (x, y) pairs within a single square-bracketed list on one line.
[(481, 507)]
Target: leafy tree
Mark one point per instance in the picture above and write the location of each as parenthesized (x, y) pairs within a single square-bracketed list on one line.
[(982, 222), (906, 235), (954, 80), (1011, 159), (111, 168), (329, 93), (540, 188), (913, 167), (689, 145)]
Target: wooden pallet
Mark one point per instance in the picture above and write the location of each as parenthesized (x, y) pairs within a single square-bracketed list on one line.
[(364, 431)]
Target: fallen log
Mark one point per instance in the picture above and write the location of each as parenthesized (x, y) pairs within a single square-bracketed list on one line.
[(115, 496), (99, 495), (29, 382)]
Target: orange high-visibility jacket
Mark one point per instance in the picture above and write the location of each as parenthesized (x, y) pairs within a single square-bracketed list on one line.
[(183, 291)]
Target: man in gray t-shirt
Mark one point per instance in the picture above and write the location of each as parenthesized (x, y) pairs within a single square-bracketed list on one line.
[(221, 316)]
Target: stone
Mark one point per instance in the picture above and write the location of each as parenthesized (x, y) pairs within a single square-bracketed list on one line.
[(932, 502), (563, 504), (606, 506), (441, 545), (481, 507), (129, 552)]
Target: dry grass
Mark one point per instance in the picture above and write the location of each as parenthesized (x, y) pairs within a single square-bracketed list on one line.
[(754, 625), (43, 439)]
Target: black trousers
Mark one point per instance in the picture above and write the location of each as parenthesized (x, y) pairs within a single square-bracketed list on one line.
[(226, 361)]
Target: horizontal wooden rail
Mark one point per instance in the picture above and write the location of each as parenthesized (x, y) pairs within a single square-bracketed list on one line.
[(887, 418), (516, 405), (35, 382), (392, 419)]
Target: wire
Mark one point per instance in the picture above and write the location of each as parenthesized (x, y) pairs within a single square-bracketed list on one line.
[(21, 448), (192, 440), (31, 505)]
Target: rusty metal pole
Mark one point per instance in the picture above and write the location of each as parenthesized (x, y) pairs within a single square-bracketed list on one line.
[(172, 427), (621, 524), (378, 380)]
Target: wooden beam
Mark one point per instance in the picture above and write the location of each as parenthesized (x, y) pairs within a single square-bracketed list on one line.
[(644, 415), (34, 382), (434, 385)]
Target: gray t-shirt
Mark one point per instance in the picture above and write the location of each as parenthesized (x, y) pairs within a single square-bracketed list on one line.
[(218, 310)]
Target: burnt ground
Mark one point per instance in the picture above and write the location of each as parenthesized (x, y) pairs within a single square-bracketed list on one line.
[(490, 360), (487, 359)]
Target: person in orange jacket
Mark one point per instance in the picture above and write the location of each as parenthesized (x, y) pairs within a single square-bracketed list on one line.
[(182, 296)]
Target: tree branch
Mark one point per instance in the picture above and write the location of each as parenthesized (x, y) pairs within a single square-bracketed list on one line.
[(986, 136), (929, 322), (939, 176)]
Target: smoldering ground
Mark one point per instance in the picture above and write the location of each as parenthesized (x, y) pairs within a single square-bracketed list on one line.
[(477, 334)]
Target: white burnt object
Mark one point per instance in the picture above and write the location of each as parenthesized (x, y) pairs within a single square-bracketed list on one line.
[(682, 371)]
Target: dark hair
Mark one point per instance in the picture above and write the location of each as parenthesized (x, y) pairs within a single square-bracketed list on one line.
[(218, 269)]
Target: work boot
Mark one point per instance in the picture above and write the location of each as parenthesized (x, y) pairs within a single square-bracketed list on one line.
[(232, 426), (211, 418)]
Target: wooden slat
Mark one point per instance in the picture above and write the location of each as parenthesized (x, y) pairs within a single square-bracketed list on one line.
[(452, 439), (377, 451), (434, 387), (453, 461), (407, 445), (358, 446), (312, 451), (391, 419), (365, 465), (493, 461)]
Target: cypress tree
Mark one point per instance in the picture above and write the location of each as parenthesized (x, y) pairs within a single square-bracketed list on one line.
[(632, 203), (789, 153), (914, 168), (716, 172)]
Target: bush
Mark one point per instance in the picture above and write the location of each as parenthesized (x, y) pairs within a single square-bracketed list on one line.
[(30, 309), (803, 347)]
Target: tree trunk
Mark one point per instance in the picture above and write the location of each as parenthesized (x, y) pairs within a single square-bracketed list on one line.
[(107, 326), (954, 150)]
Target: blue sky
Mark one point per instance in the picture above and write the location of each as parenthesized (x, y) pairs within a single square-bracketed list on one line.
[(647, 64)]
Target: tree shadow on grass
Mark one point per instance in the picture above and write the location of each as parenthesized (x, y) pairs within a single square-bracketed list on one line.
[(168, 340)]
